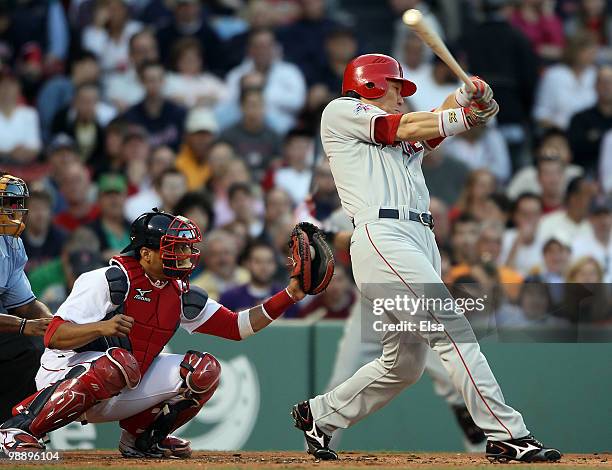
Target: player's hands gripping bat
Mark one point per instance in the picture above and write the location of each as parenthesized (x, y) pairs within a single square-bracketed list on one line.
[(483, 93), (313, 260), (478, 114)]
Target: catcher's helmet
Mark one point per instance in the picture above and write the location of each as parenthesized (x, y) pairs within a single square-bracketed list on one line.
[(165, 232), (13, 193), (367, 76)]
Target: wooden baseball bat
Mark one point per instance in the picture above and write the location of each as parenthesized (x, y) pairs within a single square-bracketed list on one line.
[(414, 20)]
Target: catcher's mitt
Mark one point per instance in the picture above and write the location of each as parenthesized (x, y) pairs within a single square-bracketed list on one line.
[(313, 260)]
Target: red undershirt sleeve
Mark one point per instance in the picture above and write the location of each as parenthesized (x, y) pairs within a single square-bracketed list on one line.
[(223, 323), (385, 128), (52, 328)]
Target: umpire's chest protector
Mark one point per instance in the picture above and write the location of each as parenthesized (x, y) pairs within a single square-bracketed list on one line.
[(156, 311)]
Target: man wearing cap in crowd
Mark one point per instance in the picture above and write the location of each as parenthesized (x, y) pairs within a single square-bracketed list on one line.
[(597, 242), (111, 228), (61, 154), (200, 130)]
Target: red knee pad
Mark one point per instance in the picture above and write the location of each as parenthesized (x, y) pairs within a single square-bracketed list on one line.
[(102, 379), (201, 372)]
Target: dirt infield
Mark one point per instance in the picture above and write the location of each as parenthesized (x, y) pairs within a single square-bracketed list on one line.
[(300, 460)]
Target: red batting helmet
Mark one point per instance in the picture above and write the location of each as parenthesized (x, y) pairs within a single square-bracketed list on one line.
[(367, 76)]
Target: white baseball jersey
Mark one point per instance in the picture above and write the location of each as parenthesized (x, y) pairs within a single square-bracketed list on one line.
[(368, 174)]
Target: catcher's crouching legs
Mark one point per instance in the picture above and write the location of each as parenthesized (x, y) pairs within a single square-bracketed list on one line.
[(66, 400), (147, 434)]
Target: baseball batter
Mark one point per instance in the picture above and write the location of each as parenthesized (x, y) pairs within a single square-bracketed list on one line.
[(375, 153)]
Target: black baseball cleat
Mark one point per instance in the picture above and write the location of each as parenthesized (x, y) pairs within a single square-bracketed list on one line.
[(525, 449), (316, 439)]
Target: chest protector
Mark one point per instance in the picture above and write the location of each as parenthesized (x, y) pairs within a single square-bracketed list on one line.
[(156, 312)]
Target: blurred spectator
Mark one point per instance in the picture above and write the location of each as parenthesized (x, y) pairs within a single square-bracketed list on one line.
[(304, 40), (482, 147), (75, 187), (587, 128), (571, 220), (488, 251), (284, 89), (112, 160), (61, 154), (537, 20), (254, 140), (278, 209), (190, 20), (414, 63), (220, 261), (162, 119), (201, 128), (533, 308), (34, 38), (168, 188), (556, 253), (503, 57), (295, 177), (111, 228), (109, 35), (463, 237), (399, 28), (521, 248), (553, 170), (58, 92), (568, 88), (260, 261), (42, 240), (336, 302), (585, 298), (197, 206), (123, 88), (190, 84), (339, 48), (242, 202), (592, 16), (435, 88), (81, 122), (228, 173), (324, 194), (478, 187), (19, 126), (605, 162), (53, 281), (445, 177), (597, 243)]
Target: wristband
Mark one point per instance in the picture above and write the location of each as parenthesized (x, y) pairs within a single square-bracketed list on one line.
[(276, 305), (452, 122), (22, 326)]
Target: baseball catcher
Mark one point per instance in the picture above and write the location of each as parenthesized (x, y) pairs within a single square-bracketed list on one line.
[(103, 360)]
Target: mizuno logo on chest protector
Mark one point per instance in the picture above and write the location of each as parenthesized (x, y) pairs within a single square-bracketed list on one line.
[(142, 295)]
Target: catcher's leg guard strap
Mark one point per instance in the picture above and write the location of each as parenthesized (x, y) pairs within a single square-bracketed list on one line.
[(201, 373), (84, 386)]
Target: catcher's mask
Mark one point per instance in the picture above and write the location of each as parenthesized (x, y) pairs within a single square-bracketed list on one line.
[(174, 237), (13, 213)]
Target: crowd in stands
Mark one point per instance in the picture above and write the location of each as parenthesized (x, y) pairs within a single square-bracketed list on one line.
[(211, 109)]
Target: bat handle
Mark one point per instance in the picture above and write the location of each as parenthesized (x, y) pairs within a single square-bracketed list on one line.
[(468, 83)]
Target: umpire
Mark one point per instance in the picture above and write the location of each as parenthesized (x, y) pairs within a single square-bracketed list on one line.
[(27, 319)]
